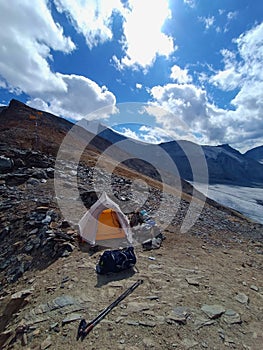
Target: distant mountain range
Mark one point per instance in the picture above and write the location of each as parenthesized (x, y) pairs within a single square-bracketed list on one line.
[(188, 160), (225, 165)]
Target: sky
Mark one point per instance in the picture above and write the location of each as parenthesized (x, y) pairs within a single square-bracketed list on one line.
[(187, 69)]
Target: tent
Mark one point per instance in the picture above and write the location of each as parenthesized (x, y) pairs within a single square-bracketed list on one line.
[(104, 221)]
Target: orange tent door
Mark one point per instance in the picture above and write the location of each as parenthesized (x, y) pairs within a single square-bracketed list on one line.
[(109, 226)]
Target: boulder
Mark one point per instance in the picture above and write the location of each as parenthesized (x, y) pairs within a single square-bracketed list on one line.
[(6, 164)]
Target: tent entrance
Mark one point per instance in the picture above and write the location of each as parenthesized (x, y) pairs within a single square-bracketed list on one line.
[(105, 221), (109, 226)]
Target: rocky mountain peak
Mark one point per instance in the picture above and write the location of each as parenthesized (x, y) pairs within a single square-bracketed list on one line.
[(227, 147)]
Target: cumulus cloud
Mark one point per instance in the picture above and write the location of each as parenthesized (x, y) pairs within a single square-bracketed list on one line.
[(91, 18), (153, 134), (180, 75), (243, 73), (84, 99), (227, 79), (146, 134), (143, 39), (191, 115), (242, 66), (231, 76), (28, 36), (186, 103), (130, 134), (26, 47)]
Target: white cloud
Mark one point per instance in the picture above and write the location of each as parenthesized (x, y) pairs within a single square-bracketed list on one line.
[(228, 79), (153, 134), (228, 17), (138, 86), (130, 133), (146, 134), (179, 75), (250, 48), (25, 49), (245, 65), (242, 71), (231, 76), (208, 21), (143, 36), (249, 99), (84, 97), (92, 18), (26, 41), (232, 15), (187, 103), (190, 3), (190, 115)]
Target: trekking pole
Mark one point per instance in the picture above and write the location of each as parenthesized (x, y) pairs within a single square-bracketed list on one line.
[(85, 328)]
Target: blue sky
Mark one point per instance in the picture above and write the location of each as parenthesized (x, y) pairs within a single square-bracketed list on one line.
[(190, 69)]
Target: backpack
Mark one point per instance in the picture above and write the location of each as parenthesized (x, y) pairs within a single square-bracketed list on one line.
[(116, 260)]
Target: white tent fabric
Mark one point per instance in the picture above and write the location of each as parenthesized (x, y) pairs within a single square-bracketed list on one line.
[(88, 224)]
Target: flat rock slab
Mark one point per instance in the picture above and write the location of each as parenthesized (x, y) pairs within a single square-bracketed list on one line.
[(71, 318), (255, 288), (242, 298), (231, 317), (193, 280), (22, 294), (201, 322), (213, 311), (179, 315), (57, 303), (134, 306)]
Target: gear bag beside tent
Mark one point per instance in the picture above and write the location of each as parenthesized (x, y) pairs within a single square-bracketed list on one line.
[(104, 221)]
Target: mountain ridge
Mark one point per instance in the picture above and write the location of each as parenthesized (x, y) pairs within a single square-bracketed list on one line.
[(256, 154), (225, 164)]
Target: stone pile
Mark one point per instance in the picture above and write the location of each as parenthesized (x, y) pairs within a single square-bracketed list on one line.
[(32, 231)]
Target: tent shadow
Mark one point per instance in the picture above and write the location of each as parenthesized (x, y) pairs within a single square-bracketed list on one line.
[(90, 249), (117, 276)]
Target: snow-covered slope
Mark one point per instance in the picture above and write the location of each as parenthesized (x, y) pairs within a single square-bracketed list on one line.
[(256, 154)]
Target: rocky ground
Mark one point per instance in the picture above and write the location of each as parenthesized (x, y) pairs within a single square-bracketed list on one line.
[(202, 289), (195, 295)]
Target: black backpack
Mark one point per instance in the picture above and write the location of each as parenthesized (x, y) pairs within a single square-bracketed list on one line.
[(116, 260)]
